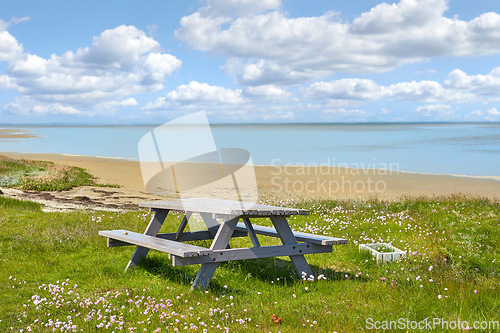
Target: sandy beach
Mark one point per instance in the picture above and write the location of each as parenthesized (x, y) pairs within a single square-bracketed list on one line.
[(273, 182)]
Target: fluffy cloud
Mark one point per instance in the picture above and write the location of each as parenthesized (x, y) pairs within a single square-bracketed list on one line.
[(341, 112), (366, 90), (490, 113), (239, 7), (434, 109), (29, 106), (130, 102), (347, 89), (265, 46), (196, 94), (427, 91), (9, 46), (121, 62), (266, 92), (486, 85), (195, 91), (385, 18), (229, 104)]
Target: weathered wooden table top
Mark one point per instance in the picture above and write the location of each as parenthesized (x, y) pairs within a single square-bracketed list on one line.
[(222, 207)]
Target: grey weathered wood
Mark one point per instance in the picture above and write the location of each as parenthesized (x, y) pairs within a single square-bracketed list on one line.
[(155, 243), (211, 223), (253, 253), (152, 230), (115, 243), (287, 237), (223, 207), (185, 237), (251, 231), (300, 236), (184, 222), (220, 242)]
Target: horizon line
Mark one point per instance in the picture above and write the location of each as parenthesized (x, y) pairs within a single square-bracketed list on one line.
[(266, 123)]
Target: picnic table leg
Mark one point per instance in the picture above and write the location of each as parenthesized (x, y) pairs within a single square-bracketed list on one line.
[(220, 242), (251, 232), (212, 225), (152, 230), (183, 225), (283, 229)]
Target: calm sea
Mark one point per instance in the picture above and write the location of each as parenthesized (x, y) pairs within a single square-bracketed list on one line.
[(468, 149)]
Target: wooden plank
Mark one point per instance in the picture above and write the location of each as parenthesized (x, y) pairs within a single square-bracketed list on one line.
[(287, 237), (186, 236), (183, 225), (253, 253), (155, 243), (220, 242), (300, 236), (151, 230), (251, 232), (211, 223), (223, 207)]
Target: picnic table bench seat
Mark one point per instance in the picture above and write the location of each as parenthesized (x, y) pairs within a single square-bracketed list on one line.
[(164, 245), (300, 236)]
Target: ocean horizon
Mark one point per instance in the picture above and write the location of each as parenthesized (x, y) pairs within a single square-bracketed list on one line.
[(471, 149)]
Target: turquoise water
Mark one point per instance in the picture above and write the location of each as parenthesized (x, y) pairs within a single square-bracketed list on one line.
[(469, 149)]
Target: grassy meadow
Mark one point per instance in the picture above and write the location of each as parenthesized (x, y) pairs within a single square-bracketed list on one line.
[(56, 273), (43, 176)]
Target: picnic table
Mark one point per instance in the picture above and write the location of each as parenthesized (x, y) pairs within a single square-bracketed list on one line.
[(229, 213)]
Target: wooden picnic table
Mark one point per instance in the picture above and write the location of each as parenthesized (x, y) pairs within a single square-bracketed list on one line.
[(229, 212)]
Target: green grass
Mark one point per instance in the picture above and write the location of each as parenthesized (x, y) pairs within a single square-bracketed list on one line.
[(58, 261), (43, 176)]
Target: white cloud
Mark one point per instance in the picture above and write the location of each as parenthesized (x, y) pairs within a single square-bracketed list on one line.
[(385, 18), (479, 84), (492, 114), (369, 90), (6, 82), (227, 104), (356, 89), (265, 46), (195, 95), (344, 112), (239, 7), (29, 106), (266, 92), (9, 46), (427, 91), (434, 109), (119, 48), (130, 102), (120, 63), (195, 91)]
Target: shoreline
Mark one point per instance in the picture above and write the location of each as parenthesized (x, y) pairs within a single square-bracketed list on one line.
[(279, 182), (362, 171)]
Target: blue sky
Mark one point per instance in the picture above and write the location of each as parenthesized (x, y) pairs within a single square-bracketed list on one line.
[(122, 62)]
